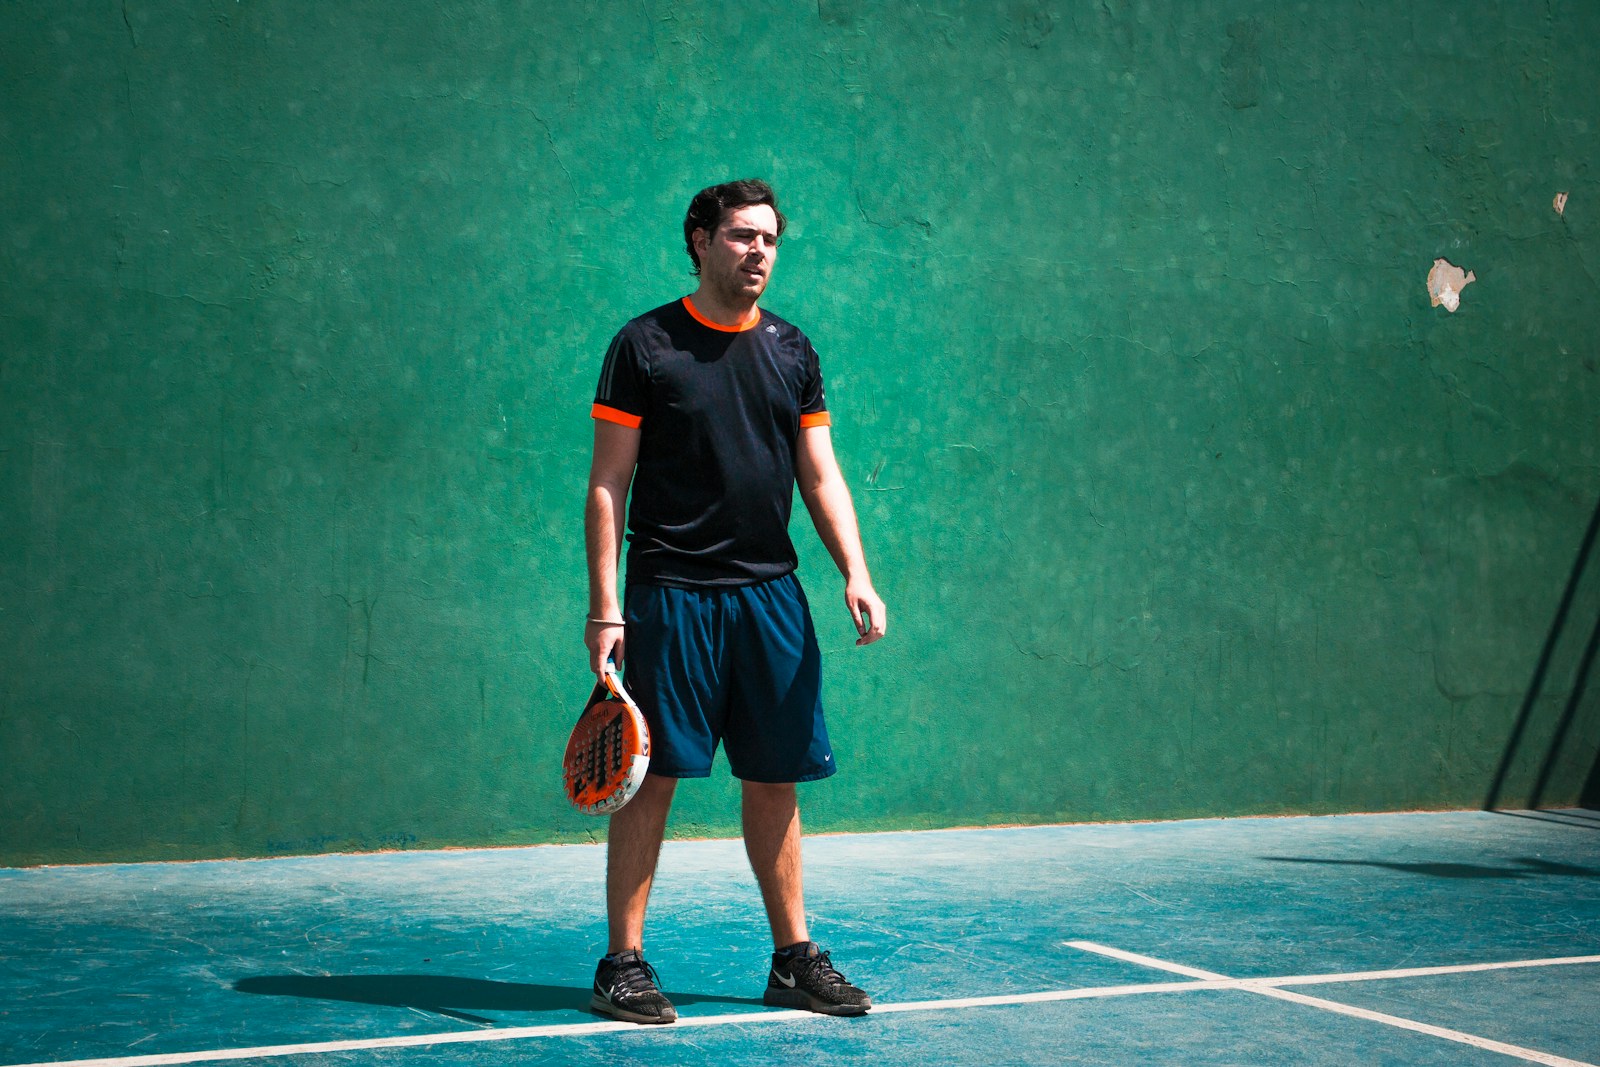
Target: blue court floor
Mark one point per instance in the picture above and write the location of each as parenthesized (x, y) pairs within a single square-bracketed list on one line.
[(1459, 938)]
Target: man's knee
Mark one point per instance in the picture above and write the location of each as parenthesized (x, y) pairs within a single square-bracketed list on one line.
[(656, 787), (769, 805), (649, 805), (655, 793), (769, 792)]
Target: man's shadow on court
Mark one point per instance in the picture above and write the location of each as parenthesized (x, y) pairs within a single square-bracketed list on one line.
[(441, 994)]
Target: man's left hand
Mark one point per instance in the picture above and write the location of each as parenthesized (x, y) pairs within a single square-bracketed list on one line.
[(867, 610)]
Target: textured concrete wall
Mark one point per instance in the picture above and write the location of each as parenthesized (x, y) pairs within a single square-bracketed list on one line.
[(1185, 497)]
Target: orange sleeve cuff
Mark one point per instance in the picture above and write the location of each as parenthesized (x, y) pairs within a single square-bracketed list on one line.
[(816, 418), (621, 418)]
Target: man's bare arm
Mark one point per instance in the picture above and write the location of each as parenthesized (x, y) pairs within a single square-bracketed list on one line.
[(616, 451), (827, 498)]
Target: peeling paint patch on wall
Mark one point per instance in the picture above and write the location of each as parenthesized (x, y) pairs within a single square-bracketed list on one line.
[(1445, 282)]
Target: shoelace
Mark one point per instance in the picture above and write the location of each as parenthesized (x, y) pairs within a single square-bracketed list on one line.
[(823, 972), (634, 976)]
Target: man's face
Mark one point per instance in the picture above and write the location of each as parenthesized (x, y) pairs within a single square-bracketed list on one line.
[(736, 260)]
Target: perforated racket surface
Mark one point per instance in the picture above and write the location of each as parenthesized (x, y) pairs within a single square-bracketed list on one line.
[(608, 752)]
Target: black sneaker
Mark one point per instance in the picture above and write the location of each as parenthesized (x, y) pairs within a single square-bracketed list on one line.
[(808, 980), (625, 988)]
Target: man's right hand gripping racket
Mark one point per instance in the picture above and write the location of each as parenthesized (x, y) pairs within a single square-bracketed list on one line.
[(609, 750)]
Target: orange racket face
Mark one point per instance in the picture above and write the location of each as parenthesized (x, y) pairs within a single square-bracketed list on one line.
[(607, 754)]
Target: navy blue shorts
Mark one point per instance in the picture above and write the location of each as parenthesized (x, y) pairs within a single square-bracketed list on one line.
[(737, 665)]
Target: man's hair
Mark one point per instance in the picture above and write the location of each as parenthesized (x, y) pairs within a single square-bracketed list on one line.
[(710, 206)]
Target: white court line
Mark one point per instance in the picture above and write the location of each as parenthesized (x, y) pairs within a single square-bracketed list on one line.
[(1203, 980), (1269, 987), (1420, 972)]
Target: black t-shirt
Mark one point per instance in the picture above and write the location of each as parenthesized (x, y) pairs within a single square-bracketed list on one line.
[(719, 410)]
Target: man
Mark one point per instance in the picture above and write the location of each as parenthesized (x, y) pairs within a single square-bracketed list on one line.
[(712, 409)]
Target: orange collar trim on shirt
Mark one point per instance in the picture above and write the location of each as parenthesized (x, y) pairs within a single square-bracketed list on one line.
[(751, 322)]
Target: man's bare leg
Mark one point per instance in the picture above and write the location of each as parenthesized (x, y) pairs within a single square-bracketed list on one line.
[(632, 849), (772, 841)]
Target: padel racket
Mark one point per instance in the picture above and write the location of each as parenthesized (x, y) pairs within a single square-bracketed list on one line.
[(609, 750)]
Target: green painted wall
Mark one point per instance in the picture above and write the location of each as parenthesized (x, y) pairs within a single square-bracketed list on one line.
[(1184, 498)]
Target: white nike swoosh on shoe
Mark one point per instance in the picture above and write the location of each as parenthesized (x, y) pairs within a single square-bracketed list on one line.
[(784, 979)]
